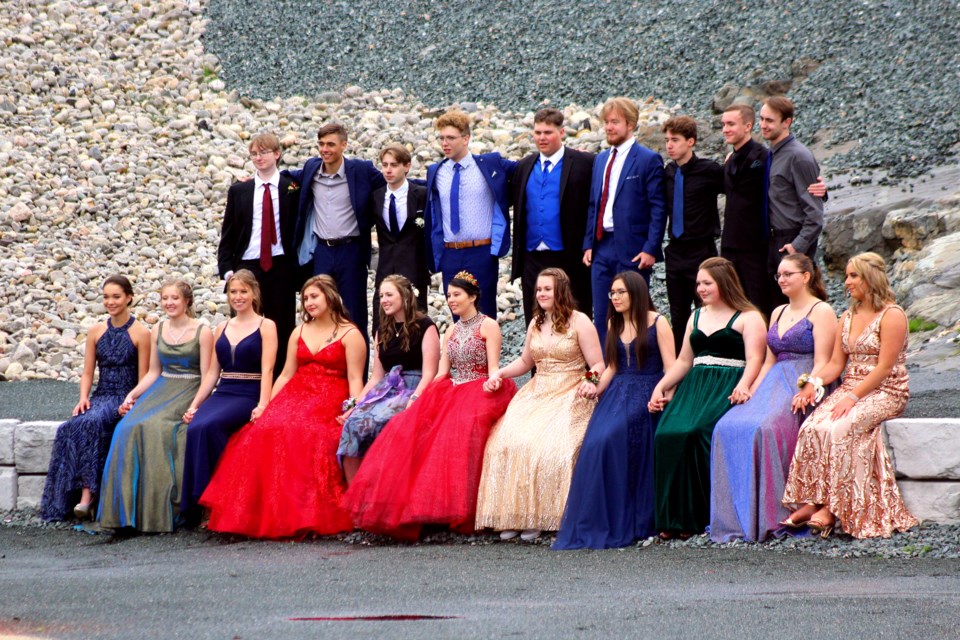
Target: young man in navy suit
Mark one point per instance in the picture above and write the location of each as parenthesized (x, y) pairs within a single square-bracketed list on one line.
[(397, 211), (551, 194), (248, 242), (333, 227), (627, 214), (467, 205)]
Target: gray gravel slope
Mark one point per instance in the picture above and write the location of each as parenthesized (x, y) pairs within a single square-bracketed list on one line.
[(889, 75)]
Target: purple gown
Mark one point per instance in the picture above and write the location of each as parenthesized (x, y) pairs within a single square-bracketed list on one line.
[(753, 445)]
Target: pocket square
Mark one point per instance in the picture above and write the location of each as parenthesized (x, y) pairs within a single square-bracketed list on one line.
[(632, 177)]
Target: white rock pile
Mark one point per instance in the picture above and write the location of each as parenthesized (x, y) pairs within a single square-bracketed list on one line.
[(118, 143)]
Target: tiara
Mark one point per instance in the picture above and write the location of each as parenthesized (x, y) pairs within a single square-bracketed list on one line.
[(466, 275)]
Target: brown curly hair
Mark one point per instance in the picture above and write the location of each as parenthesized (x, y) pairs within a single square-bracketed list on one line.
[(411, 314), (563, 302), (328, 287)]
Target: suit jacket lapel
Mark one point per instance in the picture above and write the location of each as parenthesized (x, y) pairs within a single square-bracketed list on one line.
[(565, 167), (627, 167), (377, 201)]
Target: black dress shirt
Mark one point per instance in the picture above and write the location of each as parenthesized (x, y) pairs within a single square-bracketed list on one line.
[(702, 183)]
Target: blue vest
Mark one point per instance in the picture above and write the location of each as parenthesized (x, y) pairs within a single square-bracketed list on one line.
[(543, 208)]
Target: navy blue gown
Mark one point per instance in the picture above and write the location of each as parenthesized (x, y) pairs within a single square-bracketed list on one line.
[(226, 410), (81, 445), (611, 501)]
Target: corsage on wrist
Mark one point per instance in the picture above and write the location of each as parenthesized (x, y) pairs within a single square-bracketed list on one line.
[(817, 385), (348, 404), (592, 377)]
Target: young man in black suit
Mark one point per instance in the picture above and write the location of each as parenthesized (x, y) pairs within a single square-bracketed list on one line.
[(397, 212), (550, 195), (257, 234)]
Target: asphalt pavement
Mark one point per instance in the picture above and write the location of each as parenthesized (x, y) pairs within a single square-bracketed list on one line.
[(65, 584)]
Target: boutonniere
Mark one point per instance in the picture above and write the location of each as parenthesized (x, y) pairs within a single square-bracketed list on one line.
[(293, 188), (419, 222)]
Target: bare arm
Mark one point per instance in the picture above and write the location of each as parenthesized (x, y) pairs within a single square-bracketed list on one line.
[(356, 348), (674, 374), (290, 367), (589, 342), (490, 331), (755, 346), (151, 376), (443, 369), (430, 354), (665, 343), (518, 367), (207, 384), (268, 359), (141, 340), (89, 366), (375, 376)]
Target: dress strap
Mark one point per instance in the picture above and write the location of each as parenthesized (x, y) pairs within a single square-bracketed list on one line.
[(160, 333), (656, 318), (733, 319), (780, 315), (812, 307), (696, 317)]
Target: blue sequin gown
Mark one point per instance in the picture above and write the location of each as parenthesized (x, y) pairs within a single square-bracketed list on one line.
[(753, 444), (81, 444), (226, 410), (611, 501)]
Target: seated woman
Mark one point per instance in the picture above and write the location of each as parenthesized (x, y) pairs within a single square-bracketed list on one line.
[(753, 442), (611, 495), (278, 476), (144, 469), (246, 347), (723, 350), (405, 361), (120, 348), (841, 470), (424, 468), (531, 453)]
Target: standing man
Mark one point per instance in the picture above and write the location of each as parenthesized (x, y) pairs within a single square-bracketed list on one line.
[(551, 195), (744, 238), (333, 228), (796, 215), (691, 187), (467, 204), (398, 214), (257, 234), (627, 214)]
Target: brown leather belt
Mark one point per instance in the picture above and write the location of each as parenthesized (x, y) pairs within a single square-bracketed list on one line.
[(466, 244)]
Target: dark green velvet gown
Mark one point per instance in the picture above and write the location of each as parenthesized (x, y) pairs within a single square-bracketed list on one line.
[(682, 442)]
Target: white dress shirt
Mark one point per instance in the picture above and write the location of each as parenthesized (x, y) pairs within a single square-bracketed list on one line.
[(622, 151), (401, 196), (253, 249)]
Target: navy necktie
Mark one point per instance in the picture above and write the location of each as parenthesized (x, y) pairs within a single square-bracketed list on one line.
[(545, 173), (677, 227), (394, 224), (455, 199), (765, 202)]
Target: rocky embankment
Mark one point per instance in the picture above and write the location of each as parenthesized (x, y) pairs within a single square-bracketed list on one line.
[(119, 139)]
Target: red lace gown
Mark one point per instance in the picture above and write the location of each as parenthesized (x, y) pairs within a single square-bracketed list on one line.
[(279, 477), (424, 468)]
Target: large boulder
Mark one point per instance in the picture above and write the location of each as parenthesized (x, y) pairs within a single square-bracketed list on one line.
[(33, 442), (928, 285)]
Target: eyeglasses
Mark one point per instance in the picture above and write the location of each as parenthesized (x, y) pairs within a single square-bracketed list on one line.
[(617, 293), (783, 275), (263, 153)]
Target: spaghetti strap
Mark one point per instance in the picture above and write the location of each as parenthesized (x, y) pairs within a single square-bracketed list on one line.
[(780, 315), (735, 316), (810, 310), (655, 320), (160, 333), (696, 317)]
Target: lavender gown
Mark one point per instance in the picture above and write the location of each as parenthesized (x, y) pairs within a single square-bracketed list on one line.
[(753, 445)]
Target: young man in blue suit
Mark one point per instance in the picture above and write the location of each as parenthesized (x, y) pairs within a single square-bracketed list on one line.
[(467, 203), (627, 214), (333, 226)]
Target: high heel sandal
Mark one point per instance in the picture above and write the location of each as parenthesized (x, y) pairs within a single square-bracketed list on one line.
[(823, 529), (793, 525), (83, 511)]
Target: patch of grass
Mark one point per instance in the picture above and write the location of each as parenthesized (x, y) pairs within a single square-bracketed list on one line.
[(921, 324), (209, 74)]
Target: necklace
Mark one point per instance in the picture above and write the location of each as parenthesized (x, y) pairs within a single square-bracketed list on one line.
[(333, 335), (179, 336)]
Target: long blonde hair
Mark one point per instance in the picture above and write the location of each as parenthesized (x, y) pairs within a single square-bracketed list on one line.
[(250, 282), (872, 269)]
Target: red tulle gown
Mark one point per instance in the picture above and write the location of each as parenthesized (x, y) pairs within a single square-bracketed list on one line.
[(424, 467), (279, 477)]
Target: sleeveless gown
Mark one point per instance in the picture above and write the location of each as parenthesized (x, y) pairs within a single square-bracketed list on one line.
[(278, 477), (753, 444), (843, 463), (424, 468), (144, 469), (611, 498), (532, 450), (81, 445), (682, 442), (389, 396), (227, 409)]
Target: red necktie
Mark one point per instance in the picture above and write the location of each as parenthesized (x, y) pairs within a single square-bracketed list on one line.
[(268, 232), (605, 195)]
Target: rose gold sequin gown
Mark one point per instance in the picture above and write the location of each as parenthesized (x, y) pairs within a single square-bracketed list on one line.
[(843, 463), (529, 459)]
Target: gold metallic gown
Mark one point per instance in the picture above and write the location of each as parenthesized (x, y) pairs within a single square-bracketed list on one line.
[(843, 463), (529, 459)]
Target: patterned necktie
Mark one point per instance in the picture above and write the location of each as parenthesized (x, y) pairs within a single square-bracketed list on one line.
[(394, 224), (677, 227), (268, 231), (605, 194), (455, 199)]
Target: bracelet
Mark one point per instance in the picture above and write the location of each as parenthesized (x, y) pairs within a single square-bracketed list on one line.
[(414, 396), (817, 385), (592, 377), (852, 396), (348, 404)]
